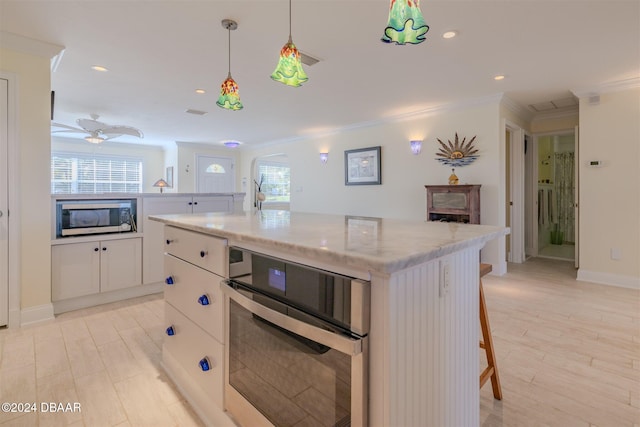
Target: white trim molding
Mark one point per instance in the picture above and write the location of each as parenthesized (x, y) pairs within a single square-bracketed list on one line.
[(31, 46), (36, 314), (14, 200), (617, 86), (609, 279)]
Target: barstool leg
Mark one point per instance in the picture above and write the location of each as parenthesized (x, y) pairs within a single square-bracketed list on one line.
[(492, 369)]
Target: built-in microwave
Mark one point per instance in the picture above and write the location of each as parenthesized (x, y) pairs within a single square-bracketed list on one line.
[(88, 216)]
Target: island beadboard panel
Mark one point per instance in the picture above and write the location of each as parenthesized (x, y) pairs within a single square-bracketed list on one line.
[(427, 324)]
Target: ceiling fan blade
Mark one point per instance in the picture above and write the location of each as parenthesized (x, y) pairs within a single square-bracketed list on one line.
[(91, 125), (69, 131), (122, 130), (68, 128)]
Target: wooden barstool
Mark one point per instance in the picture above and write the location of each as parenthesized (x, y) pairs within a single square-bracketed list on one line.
[(487, 342)]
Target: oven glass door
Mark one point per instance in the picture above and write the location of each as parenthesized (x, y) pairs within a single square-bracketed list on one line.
[(288, 377)]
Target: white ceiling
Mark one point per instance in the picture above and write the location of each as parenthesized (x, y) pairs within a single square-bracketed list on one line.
[(159, 52)]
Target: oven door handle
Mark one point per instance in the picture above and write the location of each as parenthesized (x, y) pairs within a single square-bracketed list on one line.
[(344, 344)]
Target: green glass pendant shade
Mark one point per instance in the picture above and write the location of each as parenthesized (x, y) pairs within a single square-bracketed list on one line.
[(289, 70), (229, 95), (406, 24)]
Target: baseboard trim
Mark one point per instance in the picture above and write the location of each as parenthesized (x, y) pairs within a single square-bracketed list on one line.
[(609, 279), (107, 297), (36, 314)]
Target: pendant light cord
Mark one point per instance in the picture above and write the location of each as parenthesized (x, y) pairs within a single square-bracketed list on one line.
[(229, 31), (289, 19)]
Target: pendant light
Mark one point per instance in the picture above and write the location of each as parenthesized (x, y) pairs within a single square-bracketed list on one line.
[(229, 94), (289, 70), (406, 24)]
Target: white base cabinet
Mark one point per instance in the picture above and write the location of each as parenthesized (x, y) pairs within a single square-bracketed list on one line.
[(153, 230), (193, 348), (80, 269)]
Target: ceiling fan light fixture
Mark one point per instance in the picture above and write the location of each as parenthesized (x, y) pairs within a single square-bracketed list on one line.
[(94, 139), (406, 23), (289, 69), (229, 98)]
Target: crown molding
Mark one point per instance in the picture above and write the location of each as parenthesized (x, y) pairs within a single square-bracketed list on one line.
[(616, 86), (560, 114), (437, 109), (31, 46), (517, 109)]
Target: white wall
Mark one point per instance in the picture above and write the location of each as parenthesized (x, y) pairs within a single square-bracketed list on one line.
[(318, 187), (152, 156), (610, 195), (33, 141)]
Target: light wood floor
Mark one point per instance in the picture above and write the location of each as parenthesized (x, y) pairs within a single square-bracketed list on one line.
[(568, 354)]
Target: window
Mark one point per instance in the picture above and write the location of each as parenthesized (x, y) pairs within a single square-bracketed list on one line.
[(276, 181), (215, 168), (89, 174)]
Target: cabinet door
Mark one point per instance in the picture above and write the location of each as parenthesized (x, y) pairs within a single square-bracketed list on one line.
[(153, 243), (120, 264), (75, 270), (212, 204)]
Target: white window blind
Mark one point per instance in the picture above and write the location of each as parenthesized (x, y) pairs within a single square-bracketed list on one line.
[(276, 181), (90, 174)]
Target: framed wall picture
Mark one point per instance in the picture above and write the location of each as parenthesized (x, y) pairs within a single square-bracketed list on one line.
[(170, 176), (362, 166)]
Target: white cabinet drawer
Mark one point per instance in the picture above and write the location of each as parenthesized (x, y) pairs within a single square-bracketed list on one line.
[(191, 346), (196, 293), (202, 250)]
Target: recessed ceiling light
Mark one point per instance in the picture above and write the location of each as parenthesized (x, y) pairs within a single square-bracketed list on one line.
[(449, 34), (200, 91), (499, 77), (99, 68)]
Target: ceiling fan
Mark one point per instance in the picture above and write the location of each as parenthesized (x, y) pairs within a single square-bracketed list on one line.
[(97, 131)]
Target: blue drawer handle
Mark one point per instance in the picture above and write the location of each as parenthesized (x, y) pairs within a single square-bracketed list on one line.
[(170, 331), (203, 300), (169, 280), (204, 364)]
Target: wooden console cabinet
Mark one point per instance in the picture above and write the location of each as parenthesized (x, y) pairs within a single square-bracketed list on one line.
[(453, 203)]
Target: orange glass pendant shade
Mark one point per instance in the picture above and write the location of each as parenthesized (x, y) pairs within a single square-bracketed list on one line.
[(289, 70), (229, 95)]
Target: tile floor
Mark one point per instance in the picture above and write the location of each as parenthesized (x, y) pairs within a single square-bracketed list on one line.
[(568, 355), (106, 358)]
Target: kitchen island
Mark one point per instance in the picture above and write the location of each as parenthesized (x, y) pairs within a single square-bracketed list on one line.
[(423, 340)]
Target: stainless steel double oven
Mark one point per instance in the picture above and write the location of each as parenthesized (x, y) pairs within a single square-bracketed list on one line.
[(296, 344)]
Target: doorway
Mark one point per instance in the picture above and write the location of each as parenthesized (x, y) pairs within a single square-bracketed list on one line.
[(215, 174), (555, 195)]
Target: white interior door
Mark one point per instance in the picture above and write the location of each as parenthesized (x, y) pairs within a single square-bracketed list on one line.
[(4, 203), (517, 195), (215, 174)]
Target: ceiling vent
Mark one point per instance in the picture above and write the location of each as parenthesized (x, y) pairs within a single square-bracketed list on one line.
[(196, 112), (558, 104), (308, 59)]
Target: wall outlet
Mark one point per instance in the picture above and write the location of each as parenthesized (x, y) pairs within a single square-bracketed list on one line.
[(616, 253), (445, 278)]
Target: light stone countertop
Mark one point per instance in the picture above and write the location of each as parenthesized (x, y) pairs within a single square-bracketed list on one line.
[(373, 244)]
